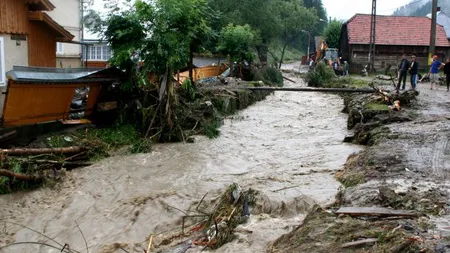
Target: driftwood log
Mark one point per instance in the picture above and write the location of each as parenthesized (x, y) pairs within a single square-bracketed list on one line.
[(10, 174), (305, 89), (40, 151)]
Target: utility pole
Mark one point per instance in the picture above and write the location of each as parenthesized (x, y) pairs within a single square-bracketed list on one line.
[(373, 23), (433, 31)]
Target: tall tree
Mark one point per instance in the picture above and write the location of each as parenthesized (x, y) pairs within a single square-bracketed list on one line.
[(332, 33), (294, 18)]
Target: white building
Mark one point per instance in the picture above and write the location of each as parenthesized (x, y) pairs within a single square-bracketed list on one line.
[(68, 14)]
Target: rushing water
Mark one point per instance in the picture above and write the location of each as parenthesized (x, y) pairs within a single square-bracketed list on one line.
[(287, 147)]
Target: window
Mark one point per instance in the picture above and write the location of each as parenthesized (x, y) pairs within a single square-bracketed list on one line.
[(2, 63), (99, 53), (59, 48)]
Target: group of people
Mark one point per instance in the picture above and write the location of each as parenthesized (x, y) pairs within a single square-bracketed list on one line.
[(412, 67), (406, 67), (436, 65)]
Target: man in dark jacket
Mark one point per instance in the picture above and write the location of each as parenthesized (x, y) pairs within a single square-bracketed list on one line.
[(402, 72), (414, 71), (447, 72)]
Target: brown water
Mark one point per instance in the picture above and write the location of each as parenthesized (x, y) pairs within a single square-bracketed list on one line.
[(289, 140)]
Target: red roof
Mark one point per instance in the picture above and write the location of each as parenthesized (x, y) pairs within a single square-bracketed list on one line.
[(395, 30)]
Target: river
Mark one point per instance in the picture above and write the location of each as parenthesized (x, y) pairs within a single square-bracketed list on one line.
[(287, 147)]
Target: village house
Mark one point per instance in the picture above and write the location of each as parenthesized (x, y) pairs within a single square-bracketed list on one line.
[(28, 35), (68, 14), (444, 20), (97, 53), (395, 35)]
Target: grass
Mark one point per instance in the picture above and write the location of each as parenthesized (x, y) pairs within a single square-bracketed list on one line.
[(377, 107), (290, 55)]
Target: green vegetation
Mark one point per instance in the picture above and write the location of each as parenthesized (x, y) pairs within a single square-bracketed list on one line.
[(332, 33), (321, 75)]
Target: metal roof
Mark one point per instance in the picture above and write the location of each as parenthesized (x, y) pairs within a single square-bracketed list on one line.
[(443, 20), (52, 75)]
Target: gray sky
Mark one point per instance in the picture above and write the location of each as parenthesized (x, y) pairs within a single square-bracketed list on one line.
[(345, 9)]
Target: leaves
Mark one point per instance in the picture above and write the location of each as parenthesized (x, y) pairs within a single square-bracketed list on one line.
[(236, 42), (332, 33)]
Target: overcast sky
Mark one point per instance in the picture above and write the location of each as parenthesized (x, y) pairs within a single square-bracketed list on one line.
[(345, 9), (340, 9)]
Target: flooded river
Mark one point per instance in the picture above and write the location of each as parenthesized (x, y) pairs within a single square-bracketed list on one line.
[(287, 147)]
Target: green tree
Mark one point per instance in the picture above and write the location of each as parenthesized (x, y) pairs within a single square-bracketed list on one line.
[(332, 33), (293, 19), (236, 42), (261, 15)]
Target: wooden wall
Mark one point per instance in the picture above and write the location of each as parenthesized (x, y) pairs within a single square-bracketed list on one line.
[(389, 55), (41, 46), (96, 64), (37, 103), (13, 17)]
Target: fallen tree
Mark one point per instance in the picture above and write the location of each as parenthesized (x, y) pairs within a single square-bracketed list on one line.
[(19, 176), (40, 151)]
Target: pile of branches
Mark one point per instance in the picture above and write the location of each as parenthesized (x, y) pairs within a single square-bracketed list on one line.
[(30, 164)]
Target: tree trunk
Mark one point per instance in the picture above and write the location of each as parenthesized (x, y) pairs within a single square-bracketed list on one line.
[(10, 174), (191, 64), (262, 53), (40, 151), (282, 54)]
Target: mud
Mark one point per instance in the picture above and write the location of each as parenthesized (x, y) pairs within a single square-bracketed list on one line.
[(287, 148), (405, 166)]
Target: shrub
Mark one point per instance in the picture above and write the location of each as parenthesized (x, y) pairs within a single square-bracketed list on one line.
[(321, 75), (269, 75)]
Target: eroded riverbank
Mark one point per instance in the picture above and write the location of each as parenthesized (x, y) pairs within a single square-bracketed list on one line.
[(405, 166)]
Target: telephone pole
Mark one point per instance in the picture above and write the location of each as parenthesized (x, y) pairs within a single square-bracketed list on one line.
[(373, 23), (433, 31)]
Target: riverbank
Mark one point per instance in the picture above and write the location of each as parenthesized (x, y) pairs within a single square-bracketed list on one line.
[(405, 166)]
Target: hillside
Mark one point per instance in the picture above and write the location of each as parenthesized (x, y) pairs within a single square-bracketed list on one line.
[(421, 8)]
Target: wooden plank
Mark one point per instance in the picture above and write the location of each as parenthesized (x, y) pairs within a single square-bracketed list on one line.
[(374, 211), (359, 243), (305, 89)]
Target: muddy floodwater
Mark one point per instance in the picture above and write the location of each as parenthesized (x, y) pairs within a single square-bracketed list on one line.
[(287, 147)]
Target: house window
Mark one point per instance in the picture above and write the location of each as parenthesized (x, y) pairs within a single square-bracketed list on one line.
[(99, 53), (59, 48), (2, 63)]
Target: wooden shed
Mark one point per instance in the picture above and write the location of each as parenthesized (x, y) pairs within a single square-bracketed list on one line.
[(38, 95), (395, 35)]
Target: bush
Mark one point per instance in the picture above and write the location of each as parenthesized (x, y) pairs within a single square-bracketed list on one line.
[(321, 75), (269, 75)]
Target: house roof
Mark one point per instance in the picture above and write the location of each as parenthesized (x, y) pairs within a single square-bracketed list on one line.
[(62, 75), (395, 30), (63, 34), (40, 5)]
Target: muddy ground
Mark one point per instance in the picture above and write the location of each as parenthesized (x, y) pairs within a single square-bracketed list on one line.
[(405, 166)]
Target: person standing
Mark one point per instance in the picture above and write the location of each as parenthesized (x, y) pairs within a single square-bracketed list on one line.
[(402, 72), (346, 68), (436, 65), (414, 72), (447, 72)]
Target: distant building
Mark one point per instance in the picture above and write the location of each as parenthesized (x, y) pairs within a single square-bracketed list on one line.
[(68, 14), (97, 53), (443, 20), (395, 35)]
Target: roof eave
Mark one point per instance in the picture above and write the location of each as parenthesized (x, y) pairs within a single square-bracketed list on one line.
[(63, 34), (41, 5)]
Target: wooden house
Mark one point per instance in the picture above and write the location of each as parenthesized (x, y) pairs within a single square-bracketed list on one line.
[(395, 35), (28, 35)]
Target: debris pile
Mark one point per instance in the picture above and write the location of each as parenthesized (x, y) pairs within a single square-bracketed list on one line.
[(211, 225)]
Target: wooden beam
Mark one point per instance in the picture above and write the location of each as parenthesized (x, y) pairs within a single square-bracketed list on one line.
[(374, 211), (308, 89)]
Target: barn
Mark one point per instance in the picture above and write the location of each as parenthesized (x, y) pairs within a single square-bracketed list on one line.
[(395, 35)]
